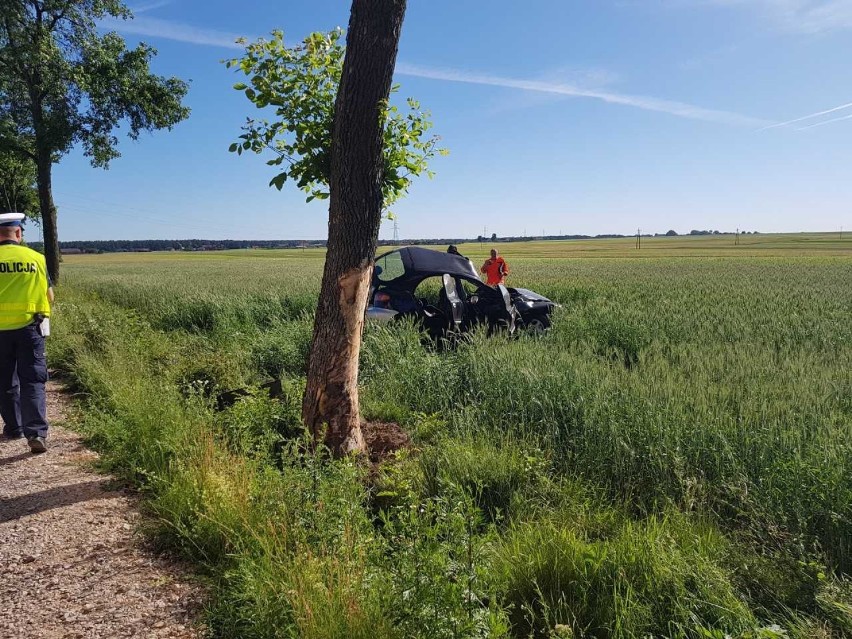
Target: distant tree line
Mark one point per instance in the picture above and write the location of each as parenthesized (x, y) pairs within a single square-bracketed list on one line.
[(122, 246), (694, 232), (673, 233), (529, 238), (119, 246)]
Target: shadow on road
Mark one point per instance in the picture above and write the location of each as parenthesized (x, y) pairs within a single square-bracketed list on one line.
[(31, 503), (14, 458)]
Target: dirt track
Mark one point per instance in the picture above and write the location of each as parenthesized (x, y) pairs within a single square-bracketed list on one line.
[(71, 564)]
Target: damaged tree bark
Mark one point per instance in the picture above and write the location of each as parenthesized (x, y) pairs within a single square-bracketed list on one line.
[(330, 406)]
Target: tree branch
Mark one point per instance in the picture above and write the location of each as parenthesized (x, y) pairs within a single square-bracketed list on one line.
[(281, 153), (57, 18)]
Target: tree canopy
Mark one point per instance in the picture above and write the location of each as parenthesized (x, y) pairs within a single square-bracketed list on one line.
[(17, 185), (86, 84), (64, 83), (300, 83)]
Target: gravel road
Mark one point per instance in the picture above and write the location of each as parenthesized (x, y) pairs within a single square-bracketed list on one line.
[(71, 565)]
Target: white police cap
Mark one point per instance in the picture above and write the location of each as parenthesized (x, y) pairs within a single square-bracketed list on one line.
[(11, 219)]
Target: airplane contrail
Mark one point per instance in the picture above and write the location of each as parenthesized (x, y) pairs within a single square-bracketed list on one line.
[(156, 27), (680, 109), (811, 126), (808, 117)]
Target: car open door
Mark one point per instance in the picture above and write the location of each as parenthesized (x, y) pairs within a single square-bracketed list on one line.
[(510, 308), (456, 307)]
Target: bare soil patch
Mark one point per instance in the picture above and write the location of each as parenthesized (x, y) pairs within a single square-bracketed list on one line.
[(383, 439), (72, 566)]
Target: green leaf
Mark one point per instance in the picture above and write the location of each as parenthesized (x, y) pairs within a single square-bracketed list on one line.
[(278, 181)]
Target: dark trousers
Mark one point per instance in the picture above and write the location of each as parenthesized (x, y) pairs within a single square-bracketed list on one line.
[(23, 372)]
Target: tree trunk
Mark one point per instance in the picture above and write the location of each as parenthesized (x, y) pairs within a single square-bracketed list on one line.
[(330, 407), (48, 215)]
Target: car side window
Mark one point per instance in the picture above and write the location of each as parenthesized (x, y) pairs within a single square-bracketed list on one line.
[(429, 290)]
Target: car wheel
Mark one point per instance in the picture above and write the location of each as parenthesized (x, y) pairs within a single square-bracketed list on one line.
[(538, 325)]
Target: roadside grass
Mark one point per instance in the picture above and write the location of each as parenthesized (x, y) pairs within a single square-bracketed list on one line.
[(285, 537), (673, 459)]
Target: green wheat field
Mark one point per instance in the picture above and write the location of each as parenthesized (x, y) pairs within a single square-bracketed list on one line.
[(672, 459)]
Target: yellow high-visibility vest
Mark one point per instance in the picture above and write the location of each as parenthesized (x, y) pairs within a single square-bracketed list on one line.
[(23, 286)]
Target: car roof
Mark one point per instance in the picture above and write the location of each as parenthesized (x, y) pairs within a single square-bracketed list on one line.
[(420, 263)]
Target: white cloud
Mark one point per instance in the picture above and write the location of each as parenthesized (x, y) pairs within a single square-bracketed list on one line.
[(646, 103), (804, 16), (691, 64), (168, 30), (826, 16), (149, 6)]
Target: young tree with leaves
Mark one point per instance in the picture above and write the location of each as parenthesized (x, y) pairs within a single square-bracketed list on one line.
[(63, 83), (300, 84), (336, 135)]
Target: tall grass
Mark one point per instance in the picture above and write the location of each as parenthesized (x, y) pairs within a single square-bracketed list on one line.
[(673, 459)]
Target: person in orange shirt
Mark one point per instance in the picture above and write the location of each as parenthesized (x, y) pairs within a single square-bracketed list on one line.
[(495, 269)]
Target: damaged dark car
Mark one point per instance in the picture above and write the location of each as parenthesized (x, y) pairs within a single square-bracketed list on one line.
[(444, 293)]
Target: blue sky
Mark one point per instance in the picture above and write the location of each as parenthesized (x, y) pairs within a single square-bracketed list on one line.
[(571, 116)]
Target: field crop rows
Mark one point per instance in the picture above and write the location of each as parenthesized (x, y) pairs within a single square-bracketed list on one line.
[(674, 458)]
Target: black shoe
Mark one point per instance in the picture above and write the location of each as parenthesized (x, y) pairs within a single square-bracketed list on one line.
[(37, 445), (16, 435)]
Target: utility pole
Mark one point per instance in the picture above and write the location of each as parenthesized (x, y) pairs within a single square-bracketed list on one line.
[(638, 239), (737, 238)]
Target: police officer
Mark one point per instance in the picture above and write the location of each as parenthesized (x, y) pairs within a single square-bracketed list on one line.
[(25, 297)]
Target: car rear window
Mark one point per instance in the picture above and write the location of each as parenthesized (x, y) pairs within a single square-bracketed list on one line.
[(389, 267)]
